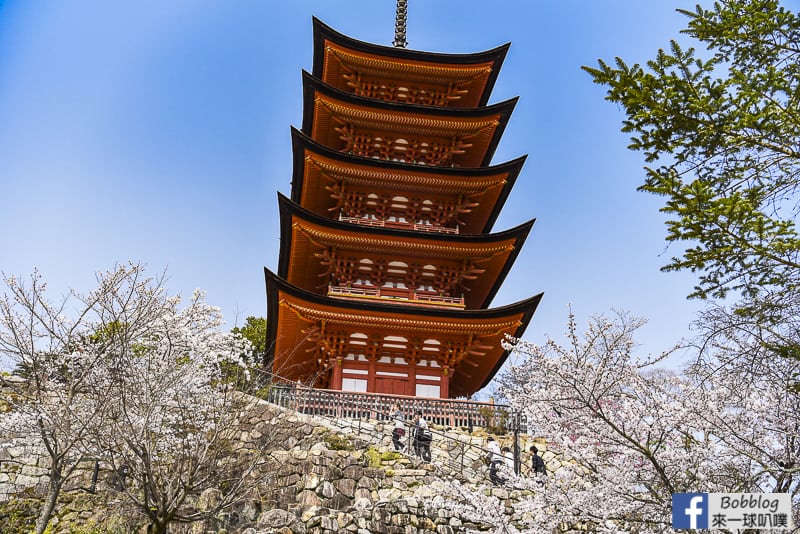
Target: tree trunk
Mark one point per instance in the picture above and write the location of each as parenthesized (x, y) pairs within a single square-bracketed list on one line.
[(54, 487), (157, 528)]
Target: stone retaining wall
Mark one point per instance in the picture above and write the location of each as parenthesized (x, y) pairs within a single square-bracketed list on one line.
[(321, 476)]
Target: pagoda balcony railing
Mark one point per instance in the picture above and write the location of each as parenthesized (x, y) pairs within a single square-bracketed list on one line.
[(395, 293), (366, 221), (361, 405)]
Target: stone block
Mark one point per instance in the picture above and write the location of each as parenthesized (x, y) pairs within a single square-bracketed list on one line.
[(330, 523), (362, 503), (311, 481), (345, 485), (319, 446), (312, 512), (340, 502), (353, 471), (308, 498), (367, 482), (276, 518), (208, 499), (326, 490), (250, 510), (400, 485), (500, 493), (410, 472), (389, 494), (15, 452)]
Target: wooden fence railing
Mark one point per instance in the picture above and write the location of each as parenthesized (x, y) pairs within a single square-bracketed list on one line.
[(357, 405)]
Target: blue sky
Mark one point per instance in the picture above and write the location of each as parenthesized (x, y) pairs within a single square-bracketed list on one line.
[(159, 132)]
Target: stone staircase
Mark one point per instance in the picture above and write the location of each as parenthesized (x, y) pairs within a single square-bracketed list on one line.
[(455, 453)]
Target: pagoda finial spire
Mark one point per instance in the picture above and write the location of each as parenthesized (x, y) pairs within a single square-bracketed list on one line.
[(400, 24)]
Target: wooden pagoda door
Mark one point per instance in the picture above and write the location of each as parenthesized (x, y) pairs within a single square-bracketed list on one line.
[(391, 385)]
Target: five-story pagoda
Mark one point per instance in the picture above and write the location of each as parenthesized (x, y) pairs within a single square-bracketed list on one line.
[(387, 261)]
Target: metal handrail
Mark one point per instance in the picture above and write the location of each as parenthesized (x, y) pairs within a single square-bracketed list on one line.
[(361, 406), (454, 455)]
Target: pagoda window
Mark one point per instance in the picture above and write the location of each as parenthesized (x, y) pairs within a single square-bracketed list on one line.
[(430, 346), (429, 275), (358, 339), (392, 373), (400, 361), (395, 342), (427, 390), (354, 384), (385, 359), (400, 147), (397, 273), (365, 272), (432, 378), (399, 203)]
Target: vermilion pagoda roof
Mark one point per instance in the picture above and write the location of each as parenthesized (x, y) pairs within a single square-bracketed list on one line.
[(325, 109), (337, 55), (314, 162), (294, 312), (304, 233), (392, 201)]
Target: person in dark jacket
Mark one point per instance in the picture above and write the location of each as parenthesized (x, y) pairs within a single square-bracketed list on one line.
[(537, 463), (422, 438), (495, 459), (399, 429)]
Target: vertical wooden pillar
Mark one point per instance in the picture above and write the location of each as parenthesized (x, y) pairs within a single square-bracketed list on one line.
[(336, 375), (444, 385), (412, 378), (371, 374)]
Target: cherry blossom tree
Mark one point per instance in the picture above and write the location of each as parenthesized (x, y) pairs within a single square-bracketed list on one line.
[(126, 375), (173, 422), (741, 368), (631, 433), (634, 433), (54, 347)]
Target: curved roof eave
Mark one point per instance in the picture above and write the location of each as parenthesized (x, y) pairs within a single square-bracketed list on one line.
[(288, 206), (519, 233), (496, 55), (527, 306), (274, 285), (302, 142), (312, 86)]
